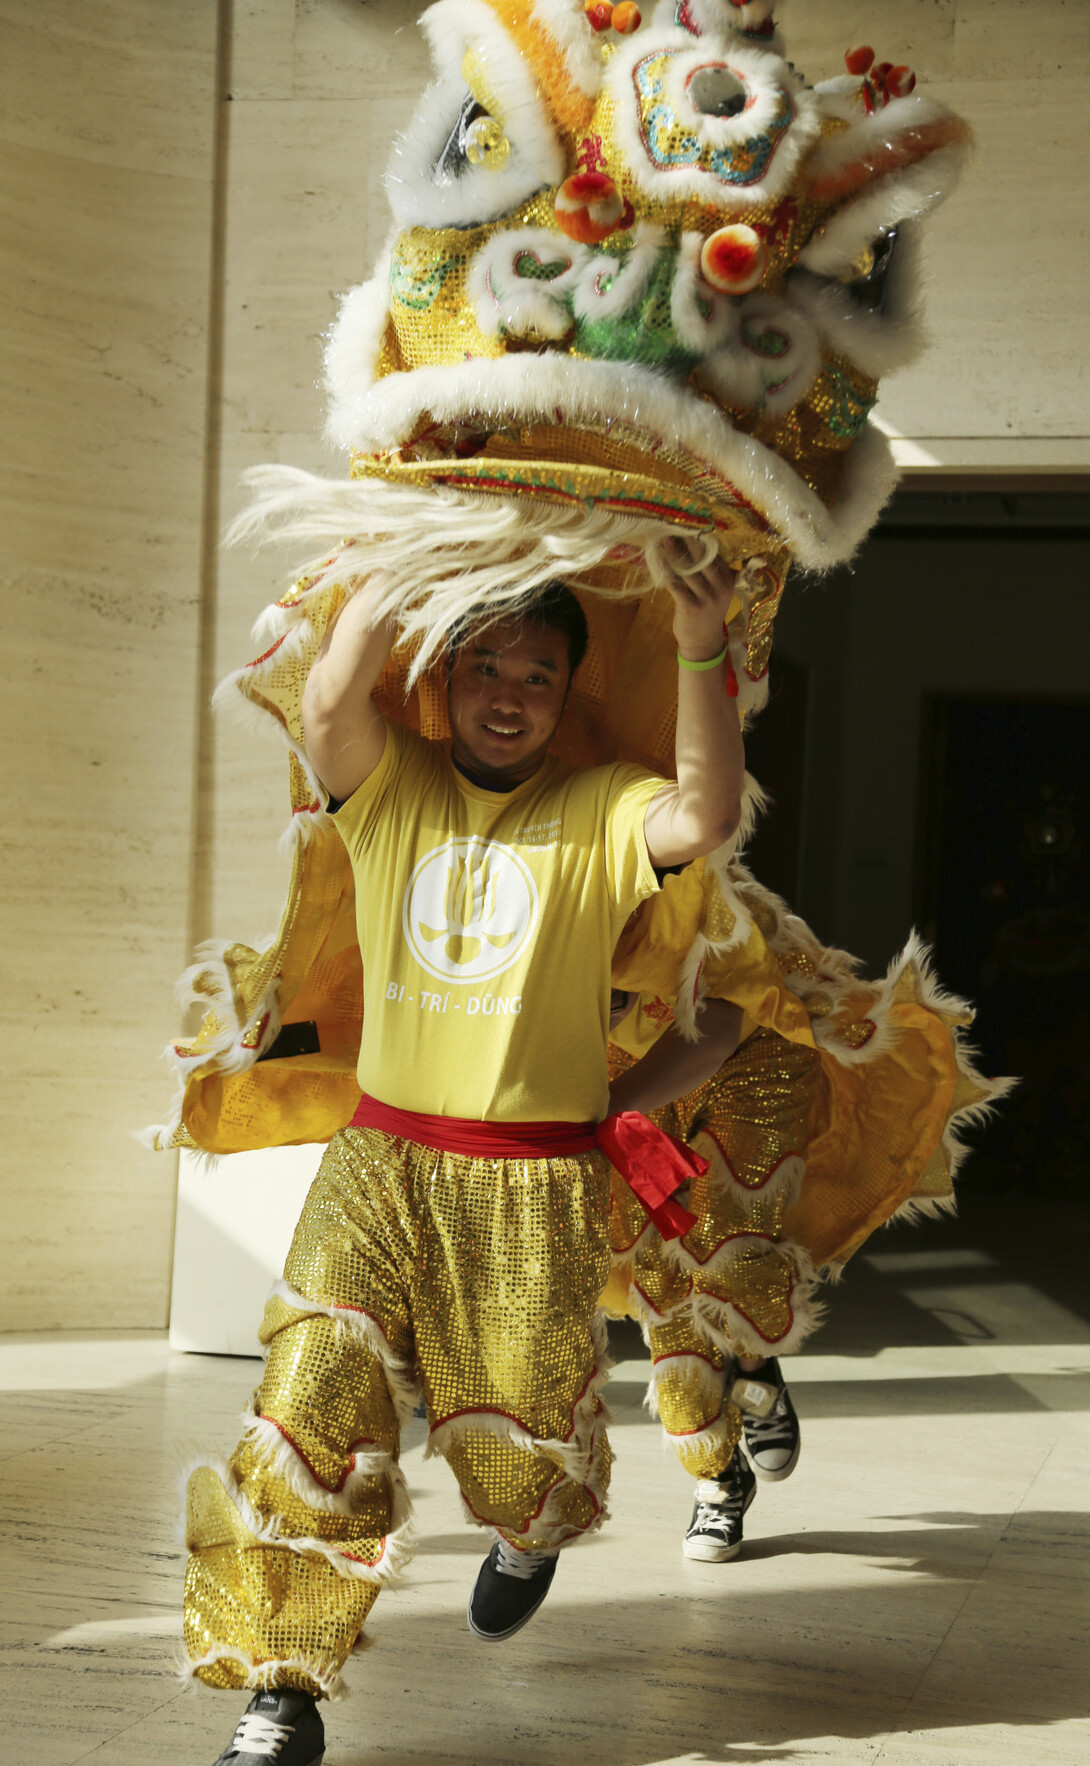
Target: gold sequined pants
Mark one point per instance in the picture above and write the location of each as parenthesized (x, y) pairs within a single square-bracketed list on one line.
[(734, 1285), (476, 1280)]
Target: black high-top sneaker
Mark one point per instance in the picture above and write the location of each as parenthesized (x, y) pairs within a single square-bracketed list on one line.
[(278, 1729), (715, 1531), (773, 1438), (510, 1587)]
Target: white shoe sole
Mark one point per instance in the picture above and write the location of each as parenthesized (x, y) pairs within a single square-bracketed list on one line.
[(705, 1551), (776, 1477), (702, 1550)]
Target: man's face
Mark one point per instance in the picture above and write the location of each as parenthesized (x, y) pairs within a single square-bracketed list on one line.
[(506, 694)]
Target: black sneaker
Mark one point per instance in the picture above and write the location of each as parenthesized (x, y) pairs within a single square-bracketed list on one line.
[(510, 1587), (281, 1727), (715, 1531), (773, 1439)]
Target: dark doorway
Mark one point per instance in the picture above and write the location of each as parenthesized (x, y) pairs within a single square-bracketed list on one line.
[(776, 756), (1004, 896)]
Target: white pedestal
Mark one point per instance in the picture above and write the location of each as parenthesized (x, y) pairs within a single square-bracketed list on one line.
[(232, 1232)]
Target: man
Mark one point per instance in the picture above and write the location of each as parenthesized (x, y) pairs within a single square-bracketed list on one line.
[(458, 1229)]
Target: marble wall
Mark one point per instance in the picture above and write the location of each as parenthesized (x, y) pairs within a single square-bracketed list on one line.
[(143, 825), (106, 167)]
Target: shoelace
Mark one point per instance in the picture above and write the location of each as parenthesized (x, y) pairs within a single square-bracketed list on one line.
[(522, 1564), (715, 1512), (257, 1732), (773, 1430)]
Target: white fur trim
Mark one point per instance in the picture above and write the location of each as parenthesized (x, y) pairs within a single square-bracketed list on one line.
[(509, 303), (740, 375), (481, 193), (234, 1049), (891, 196), (877, 342), (352, 350), (719, 19), (783, 1184), (766, 79), (529, 388), (698, 330), (367, 1462), (629, 269)]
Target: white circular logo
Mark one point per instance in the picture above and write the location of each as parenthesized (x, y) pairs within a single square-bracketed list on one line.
[(470, 910)]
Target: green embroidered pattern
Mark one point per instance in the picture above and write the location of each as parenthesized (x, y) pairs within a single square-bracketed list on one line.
[(848, 416), (644, 332), (419, 290), (530, 268)]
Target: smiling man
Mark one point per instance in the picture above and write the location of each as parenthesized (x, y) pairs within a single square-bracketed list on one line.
[(458, 1229)]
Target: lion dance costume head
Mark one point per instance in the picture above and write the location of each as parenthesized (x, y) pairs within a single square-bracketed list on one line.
[(643, 281)]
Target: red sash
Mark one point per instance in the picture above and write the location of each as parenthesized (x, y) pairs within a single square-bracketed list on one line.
[(653, 1163)]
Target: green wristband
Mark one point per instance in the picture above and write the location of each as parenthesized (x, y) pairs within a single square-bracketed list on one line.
[(697, 668)]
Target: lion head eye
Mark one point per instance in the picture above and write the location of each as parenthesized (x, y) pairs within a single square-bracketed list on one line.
[(455, 155), (716, 92)]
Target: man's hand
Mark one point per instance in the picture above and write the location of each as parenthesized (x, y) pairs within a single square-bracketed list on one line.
[(343, 729), (703, 809), (701, 602)]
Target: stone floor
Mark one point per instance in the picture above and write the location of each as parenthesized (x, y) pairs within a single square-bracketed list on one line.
[(917, 1594)]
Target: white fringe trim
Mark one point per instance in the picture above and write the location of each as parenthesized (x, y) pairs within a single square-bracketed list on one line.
[(690, 1448), (261, 1676), (575, 1454), (267, 1529), (711, 1380), (784, 1182), (401, 1376), (720, 1323)]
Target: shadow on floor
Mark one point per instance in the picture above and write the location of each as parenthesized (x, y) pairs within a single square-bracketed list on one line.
[(748, 1675)]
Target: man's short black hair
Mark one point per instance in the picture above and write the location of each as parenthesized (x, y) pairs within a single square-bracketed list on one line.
[(555, 607)]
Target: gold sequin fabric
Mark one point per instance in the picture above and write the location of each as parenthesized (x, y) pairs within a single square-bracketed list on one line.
[(475, 1281), (735, 1284)]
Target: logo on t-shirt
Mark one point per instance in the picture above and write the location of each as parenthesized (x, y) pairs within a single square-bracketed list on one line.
[(470, 910)]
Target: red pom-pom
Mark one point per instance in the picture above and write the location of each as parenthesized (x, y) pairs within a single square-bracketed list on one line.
[(880, 72), (857, 61), (600, 14), (734, 259), (900, 81), (589, 207)]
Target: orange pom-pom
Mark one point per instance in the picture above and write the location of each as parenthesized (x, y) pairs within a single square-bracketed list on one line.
[(734, 259), (589, 207), (857, 61), (900, 81), (600, 14), (627, 18)]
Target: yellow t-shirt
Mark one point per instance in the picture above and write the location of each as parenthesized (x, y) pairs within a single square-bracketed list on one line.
[(486, 921)]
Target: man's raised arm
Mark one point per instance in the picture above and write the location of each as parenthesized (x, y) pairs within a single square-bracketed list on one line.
[(703, 809), (342, 726)]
